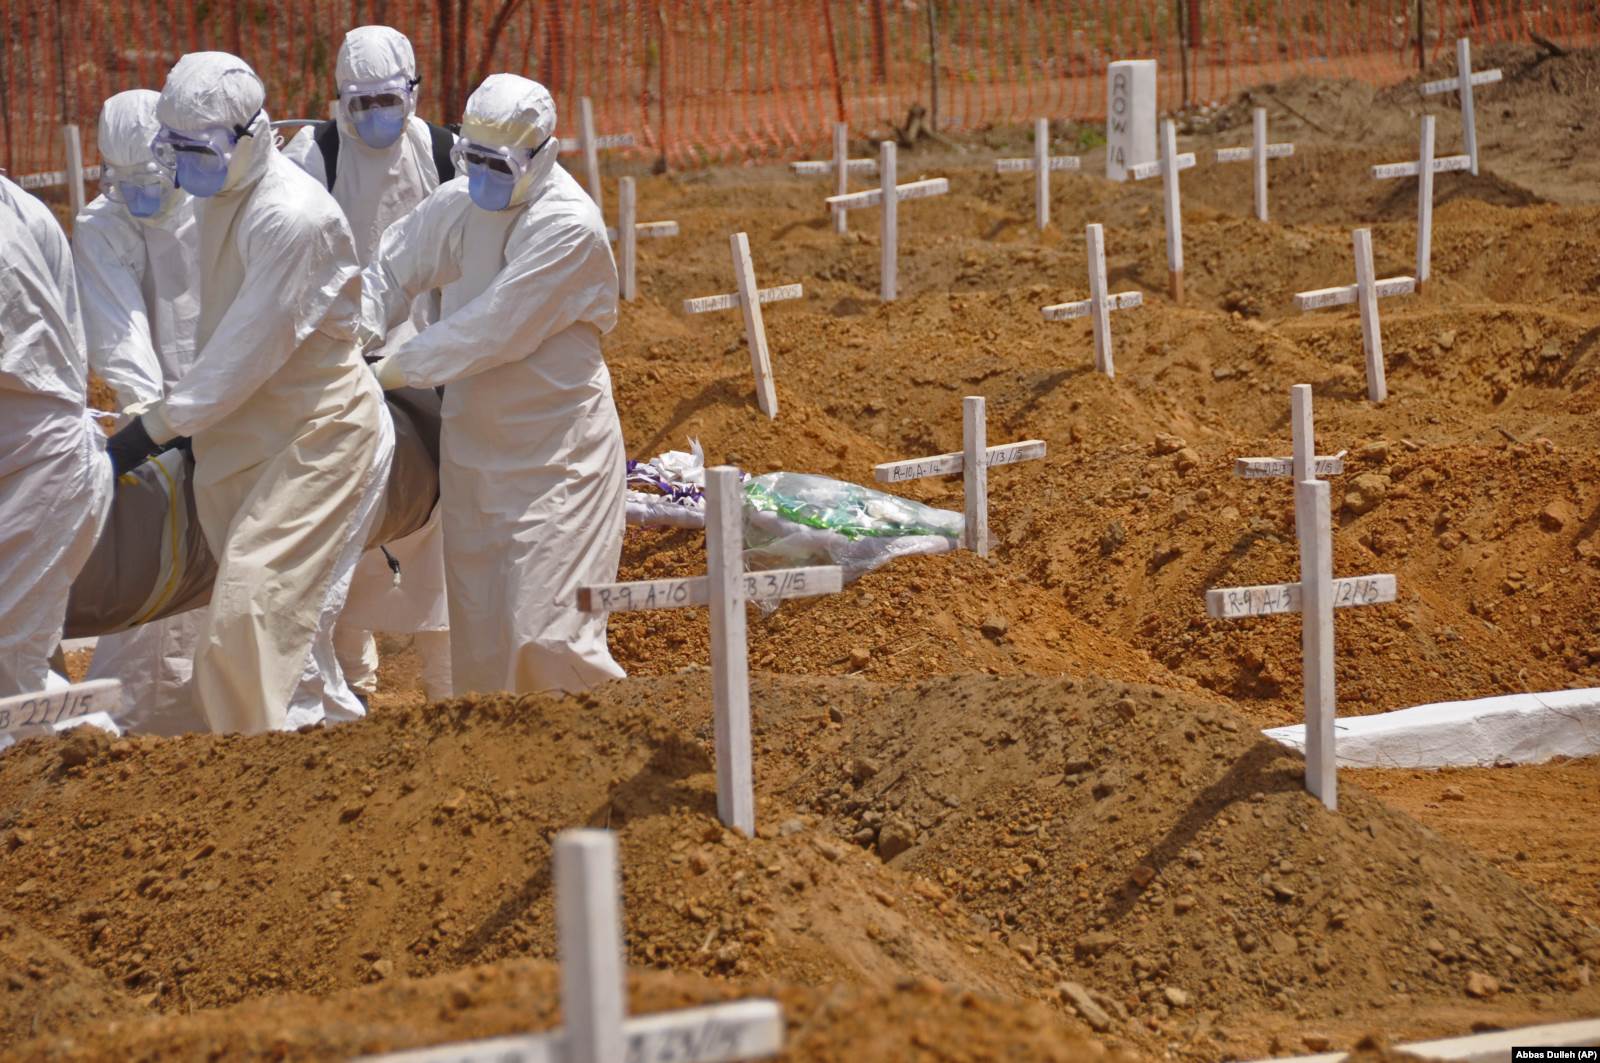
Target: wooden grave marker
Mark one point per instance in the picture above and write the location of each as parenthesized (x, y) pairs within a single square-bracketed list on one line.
[(1365, 293), (1258, 152), (1040, 165), (589, 144), (749, 299), (1099, 305), (1169, 165), (1423, 169), (841, 166), (1462, 83), (595, 1024), (725, 588), (1315, 596), (889, 252), (973, 463), (626, 235)]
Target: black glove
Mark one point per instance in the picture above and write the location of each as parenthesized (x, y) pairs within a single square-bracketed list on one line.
[(131, 447)]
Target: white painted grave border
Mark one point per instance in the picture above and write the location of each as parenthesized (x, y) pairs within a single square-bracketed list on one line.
[(973, 463), (724, 589), (1099, 305), (1258, 152), (1314, 596), (594, 992), (1365, 293), (889, 232), (749, 299), (1040, 165)]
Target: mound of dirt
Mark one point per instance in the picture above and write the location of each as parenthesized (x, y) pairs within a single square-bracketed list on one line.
[(1151, 846), (840, 1025), (201, 871), (1121, 852)]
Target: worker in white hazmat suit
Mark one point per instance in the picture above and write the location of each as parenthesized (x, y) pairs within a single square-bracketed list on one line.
[(55, 481), (532, 472), (136, 251), (380, 160), (291, 443)]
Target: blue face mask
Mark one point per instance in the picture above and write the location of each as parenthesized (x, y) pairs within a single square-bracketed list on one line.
[(201, 173), (489, 188), (380, 127), (142, 201)]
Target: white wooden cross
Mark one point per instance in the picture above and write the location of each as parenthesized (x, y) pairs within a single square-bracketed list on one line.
[(22, 713), (841, 166), (1462, 83), (1424, 169), (1040, 166), (888, 272), (1099, 305), (595, 1024), (973, 463), (627, 232), (749, 299), (1258, 152), (1365, 293), (1314, 597), (590, 145), (725, 588), (1169, 166)]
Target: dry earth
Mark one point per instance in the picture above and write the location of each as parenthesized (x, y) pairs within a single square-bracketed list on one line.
[(1005, 805)]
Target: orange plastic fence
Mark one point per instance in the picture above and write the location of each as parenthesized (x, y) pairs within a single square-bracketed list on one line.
[(698, 81)]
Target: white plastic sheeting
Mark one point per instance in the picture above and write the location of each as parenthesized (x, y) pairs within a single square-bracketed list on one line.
[(1511, 729)]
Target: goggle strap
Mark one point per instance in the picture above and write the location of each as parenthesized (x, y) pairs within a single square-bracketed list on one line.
[(244, 130)]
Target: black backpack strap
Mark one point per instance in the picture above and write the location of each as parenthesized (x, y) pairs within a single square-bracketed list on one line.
[(443, 141), (327, 138)]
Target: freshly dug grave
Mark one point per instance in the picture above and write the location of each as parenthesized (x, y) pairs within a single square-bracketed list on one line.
[(1149, 846), (916, 1019), (203, 871), (998, 835)]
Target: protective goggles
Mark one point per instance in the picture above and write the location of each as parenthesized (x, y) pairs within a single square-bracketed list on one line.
[(145, 175), (513, 162), (210, 149), (377, 95)]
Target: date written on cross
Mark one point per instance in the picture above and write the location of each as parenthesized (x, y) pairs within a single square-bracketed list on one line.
[(1265, 468), (25, 711), (691, 591), (1231, 602), (893, 472)]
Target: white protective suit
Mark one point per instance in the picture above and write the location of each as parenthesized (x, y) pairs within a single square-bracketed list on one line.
[(532, 472), (139, 285), (291, 441), (55, 479), (375, 187)]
